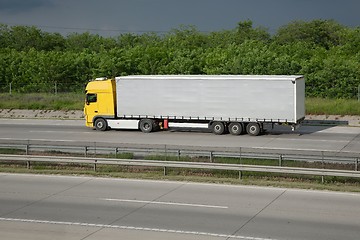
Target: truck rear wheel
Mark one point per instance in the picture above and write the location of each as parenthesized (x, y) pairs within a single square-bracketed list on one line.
[(146, 125), (218, 128), (235, 128), (253, 129), (101, 124)]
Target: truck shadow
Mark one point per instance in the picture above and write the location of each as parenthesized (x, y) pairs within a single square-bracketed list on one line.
[(325, 122), (308, 127)]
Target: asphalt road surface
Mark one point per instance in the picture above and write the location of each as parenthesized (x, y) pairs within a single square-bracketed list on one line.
[(63, 207), (321, 138)]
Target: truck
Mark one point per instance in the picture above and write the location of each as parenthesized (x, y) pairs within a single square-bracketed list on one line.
[(234, 104)]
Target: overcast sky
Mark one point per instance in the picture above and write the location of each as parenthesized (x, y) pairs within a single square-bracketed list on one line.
[(112, 17)]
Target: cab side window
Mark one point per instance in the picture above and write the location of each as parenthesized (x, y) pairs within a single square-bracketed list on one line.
[(90, 98)]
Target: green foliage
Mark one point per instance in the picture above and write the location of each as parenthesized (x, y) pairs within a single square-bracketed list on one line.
[(327, 53), (245, 31), (43, 101), (78, 42), (324, 33), (24, 38)]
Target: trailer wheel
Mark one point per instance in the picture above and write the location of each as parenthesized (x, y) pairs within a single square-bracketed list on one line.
[(146, 125), (218, 128), (101, 124), (253, 129), (235, 128)]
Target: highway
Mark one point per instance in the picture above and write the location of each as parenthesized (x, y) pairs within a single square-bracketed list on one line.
[(321, 138), (68, 207)]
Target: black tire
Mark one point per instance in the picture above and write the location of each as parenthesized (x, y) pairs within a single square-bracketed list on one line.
[(235, 128), (218, 128), (101, 124), (146, 125), (253, 129)]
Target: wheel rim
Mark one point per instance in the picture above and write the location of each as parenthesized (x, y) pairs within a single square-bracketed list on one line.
[(146, 126), (253, 129), (100, 124), (218, 128), (235, 128)]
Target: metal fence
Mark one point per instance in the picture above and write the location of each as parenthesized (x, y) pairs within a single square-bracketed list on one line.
[(51, 88), (174, 164), (167, 152)]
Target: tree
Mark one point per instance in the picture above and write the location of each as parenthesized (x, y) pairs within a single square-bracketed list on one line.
[(185, 37), (245, 31), (327, 53), (324, 33), (24, 38), (94, 43), (350, 40)]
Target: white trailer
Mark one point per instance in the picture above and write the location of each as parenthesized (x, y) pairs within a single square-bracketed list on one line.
[(236, 103)]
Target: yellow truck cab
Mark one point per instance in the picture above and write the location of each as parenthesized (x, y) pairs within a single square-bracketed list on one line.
[(100, 102)]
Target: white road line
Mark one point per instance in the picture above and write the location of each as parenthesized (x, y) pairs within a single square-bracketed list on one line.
[(133, 228), (165, 203)]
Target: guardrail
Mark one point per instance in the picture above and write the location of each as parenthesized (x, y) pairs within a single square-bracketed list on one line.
[(174, 164), (140, 151)]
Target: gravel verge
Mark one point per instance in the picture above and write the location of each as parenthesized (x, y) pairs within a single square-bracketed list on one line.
[(41, 114)]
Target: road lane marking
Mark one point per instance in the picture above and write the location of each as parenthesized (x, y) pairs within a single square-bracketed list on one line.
[(165, 203), (133, 228)]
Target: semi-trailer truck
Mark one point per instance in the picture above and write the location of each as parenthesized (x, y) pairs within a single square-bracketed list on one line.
[(222, 103)]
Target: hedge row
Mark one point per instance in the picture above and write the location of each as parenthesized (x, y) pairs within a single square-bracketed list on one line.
[(327, 53)]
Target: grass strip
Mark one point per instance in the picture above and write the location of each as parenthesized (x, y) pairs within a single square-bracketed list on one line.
[(42, 101), (321, 106)]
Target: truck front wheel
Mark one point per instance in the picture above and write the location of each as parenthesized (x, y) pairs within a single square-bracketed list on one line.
[(146, 125), (253, 129), (101, 124)]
